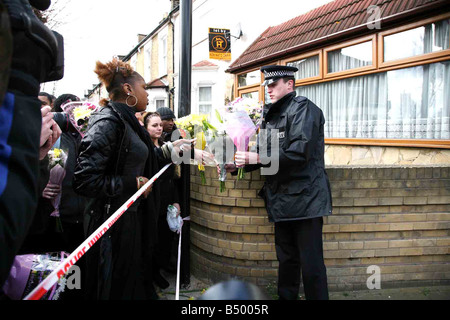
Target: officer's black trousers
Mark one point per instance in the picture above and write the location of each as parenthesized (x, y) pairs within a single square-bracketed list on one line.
[(299, 249)]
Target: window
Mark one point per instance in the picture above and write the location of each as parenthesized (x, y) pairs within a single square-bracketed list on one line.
[(248, 84), (429, 38), (205, 100), (351, 57), (147, 63), (410, 103), (159, 103), (163, 56), (307, 67), (252, 95), (246, 79)]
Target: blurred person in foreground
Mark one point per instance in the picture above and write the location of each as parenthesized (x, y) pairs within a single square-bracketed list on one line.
[(30, 54)]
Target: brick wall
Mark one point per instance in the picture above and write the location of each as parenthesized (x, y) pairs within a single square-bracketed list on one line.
[(395, 218)]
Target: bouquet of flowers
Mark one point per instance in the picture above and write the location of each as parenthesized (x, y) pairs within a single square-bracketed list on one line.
[(241, 119), (195, 125), (79, 113), (57, 161), (252, 107), (222, 147), (29, 270)]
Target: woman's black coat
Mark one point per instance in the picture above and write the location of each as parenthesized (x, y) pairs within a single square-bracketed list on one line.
[(103, 174)]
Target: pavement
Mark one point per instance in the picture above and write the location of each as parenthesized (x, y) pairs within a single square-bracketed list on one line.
[(197, 287)]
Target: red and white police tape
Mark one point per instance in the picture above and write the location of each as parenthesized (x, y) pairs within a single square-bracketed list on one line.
[(53, 277)]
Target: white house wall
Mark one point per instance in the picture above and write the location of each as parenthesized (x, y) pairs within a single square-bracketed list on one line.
[(156, 94)]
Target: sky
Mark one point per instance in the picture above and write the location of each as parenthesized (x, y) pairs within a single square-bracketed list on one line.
[(99, 29)]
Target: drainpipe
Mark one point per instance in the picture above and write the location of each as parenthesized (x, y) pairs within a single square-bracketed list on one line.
[(171, 91)]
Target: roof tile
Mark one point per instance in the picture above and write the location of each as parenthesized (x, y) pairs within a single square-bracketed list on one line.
[(324, 21)]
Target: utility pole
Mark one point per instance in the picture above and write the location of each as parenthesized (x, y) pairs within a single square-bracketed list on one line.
[(184, 101), (184, 109)]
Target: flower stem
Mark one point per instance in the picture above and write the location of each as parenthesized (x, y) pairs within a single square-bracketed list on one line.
[(222, 186), (241, 174), (202, 176)]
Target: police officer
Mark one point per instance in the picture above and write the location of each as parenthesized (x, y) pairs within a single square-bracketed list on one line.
[(298, 194)]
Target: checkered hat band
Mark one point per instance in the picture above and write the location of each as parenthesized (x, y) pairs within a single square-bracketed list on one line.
[(283, 73)]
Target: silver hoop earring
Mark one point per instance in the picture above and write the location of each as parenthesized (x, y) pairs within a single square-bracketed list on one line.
[(129, 96)]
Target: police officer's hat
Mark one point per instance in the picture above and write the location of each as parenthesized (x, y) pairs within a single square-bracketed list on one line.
[(274, 73)]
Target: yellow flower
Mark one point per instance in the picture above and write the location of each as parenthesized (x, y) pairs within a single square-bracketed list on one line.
[(56, 153), (81, 113), (201, 141)]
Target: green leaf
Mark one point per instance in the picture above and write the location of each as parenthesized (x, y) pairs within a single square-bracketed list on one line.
[(218, 116)]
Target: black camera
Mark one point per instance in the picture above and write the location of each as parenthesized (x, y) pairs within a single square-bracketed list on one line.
[(62, 120), (31, 36)]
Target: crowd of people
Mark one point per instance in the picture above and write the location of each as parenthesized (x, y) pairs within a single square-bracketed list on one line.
[(122, 149), (125, 146)]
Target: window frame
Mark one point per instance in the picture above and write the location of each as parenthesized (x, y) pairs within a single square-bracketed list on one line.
[(250, 88), (162, 55), (374, 66), (159, 98), (305, 56), (414, 59), (211, 102)]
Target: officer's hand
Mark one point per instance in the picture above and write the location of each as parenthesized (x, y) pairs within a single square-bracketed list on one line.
[(242, 158), (229, 167)]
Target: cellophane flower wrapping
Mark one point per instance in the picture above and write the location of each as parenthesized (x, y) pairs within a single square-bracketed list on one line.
[(194, 126), (79, 113), (173, 219), (29, 270), (57, 161), (222, 147), (241, 119)]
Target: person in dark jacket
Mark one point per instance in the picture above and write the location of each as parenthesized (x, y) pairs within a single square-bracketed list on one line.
[(43, 234), (72, 205), (169, 134), (116, 159), (168, 196), (296, 191), (28, 54)]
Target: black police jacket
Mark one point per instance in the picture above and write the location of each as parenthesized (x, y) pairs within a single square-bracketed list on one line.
[(300, 187)]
